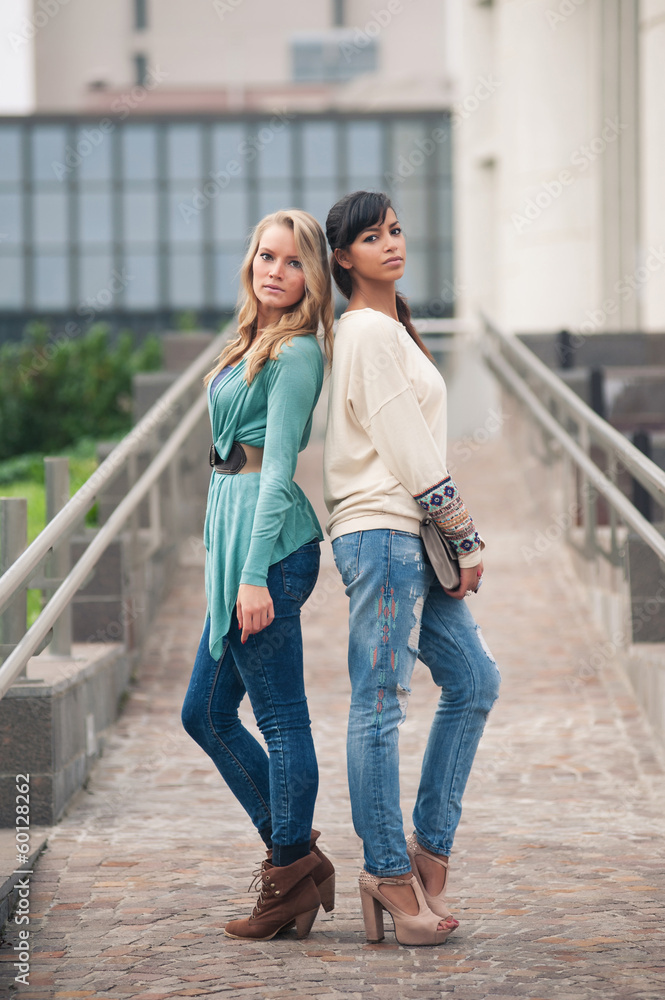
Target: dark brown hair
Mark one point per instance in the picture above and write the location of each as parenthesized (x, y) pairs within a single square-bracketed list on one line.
[(346, 219)]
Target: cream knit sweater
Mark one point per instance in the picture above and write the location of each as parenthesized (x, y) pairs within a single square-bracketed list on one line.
[(386, 434)]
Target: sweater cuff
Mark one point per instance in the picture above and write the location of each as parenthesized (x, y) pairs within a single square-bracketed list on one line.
[(445, 506), (467, 562), (254, 579)]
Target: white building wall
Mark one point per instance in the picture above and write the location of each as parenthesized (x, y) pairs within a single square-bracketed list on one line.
[(476, 160), (652, 161), (528, 226), (16, 59)]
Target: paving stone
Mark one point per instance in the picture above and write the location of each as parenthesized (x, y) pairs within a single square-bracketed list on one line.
[(557, 875)]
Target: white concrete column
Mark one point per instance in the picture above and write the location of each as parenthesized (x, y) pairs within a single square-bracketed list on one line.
[(471, 47), (652, 162)]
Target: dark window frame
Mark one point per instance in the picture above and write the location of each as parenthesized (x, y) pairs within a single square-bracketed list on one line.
[(140, 15), (140, 69)]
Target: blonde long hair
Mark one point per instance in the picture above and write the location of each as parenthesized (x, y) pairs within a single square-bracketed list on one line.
[(314, 309)]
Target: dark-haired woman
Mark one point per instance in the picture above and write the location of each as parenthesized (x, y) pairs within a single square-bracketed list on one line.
[(262, 561), (384, 468)]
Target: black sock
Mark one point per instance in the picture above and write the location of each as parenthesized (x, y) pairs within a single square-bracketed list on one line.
[(286, 854)]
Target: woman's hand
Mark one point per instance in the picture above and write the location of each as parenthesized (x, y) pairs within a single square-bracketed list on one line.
[(254, 609), (469, 579)]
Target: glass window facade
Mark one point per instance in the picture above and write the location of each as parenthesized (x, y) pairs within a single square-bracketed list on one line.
[(168, 204)]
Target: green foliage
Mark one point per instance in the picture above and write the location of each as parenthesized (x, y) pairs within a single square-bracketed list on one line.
[(24, 468), (187, 321), (24, 477), (55, 390)]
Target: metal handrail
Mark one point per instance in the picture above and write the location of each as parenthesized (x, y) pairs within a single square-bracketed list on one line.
[(630, 515), (33, 638), (70, 515), (67, 519), (602, 433)]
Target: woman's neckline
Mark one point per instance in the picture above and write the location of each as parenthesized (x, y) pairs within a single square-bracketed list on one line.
[(351, 312)]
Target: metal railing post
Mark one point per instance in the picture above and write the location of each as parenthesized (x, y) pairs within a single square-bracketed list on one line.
[(641, 497), (13, 541), (59, 562)]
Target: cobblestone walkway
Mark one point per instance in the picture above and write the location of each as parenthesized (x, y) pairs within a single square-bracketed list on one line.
[(557, 873)]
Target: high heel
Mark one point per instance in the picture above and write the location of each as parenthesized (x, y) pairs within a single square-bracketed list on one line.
[(421, 928), (304, 922), (327, 893), (324, 875), (288, 895), (437, 903)]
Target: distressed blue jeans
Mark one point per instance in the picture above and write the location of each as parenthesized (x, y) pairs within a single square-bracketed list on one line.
[(277, 789), (399, 613)]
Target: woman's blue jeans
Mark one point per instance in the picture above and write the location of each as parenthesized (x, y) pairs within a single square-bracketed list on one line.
[(277, 789), (398, 613)]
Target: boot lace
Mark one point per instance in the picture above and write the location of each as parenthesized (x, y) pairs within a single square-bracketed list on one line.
[(259, 881), (257, 875)]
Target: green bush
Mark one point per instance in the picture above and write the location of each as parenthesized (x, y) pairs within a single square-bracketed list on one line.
[(55, 390)]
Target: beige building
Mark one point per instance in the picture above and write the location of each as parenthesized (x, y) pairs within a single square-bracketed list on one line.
[(240, 55), (161, 135), (559, 205)]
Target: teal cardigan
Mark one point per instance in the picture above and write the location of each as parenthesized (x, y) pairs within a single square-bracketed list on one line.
[(256, 519)]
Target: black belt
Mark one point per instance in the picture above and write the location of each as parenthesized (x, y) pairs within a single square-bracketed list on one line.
[(236, 460)]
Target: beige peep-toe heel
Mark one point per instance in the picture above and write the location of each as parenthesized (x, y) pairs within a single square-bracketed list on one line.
[(437, 904), (421, 928)]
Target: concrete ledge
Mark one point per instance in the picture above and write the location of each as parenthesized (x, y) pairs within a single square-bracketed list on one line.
[(645, 667), (53, 725), (10, 871)]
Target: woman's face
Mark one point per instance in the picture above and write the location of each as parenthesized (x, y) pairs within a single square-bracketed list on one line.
[(278, 278), (378, 253)]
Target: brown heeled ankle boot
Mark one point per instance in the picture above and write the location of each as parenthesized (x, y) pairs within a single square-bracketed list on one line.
[(288, 895), (323, 875)]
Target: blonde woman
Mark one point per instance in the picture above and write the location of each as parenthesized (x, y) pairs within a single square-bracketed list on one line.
[(262, 560)]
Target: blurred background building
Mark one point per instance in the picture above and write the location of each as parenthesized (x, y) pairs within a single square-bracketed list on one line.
[(160, 136), (520, 140)]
